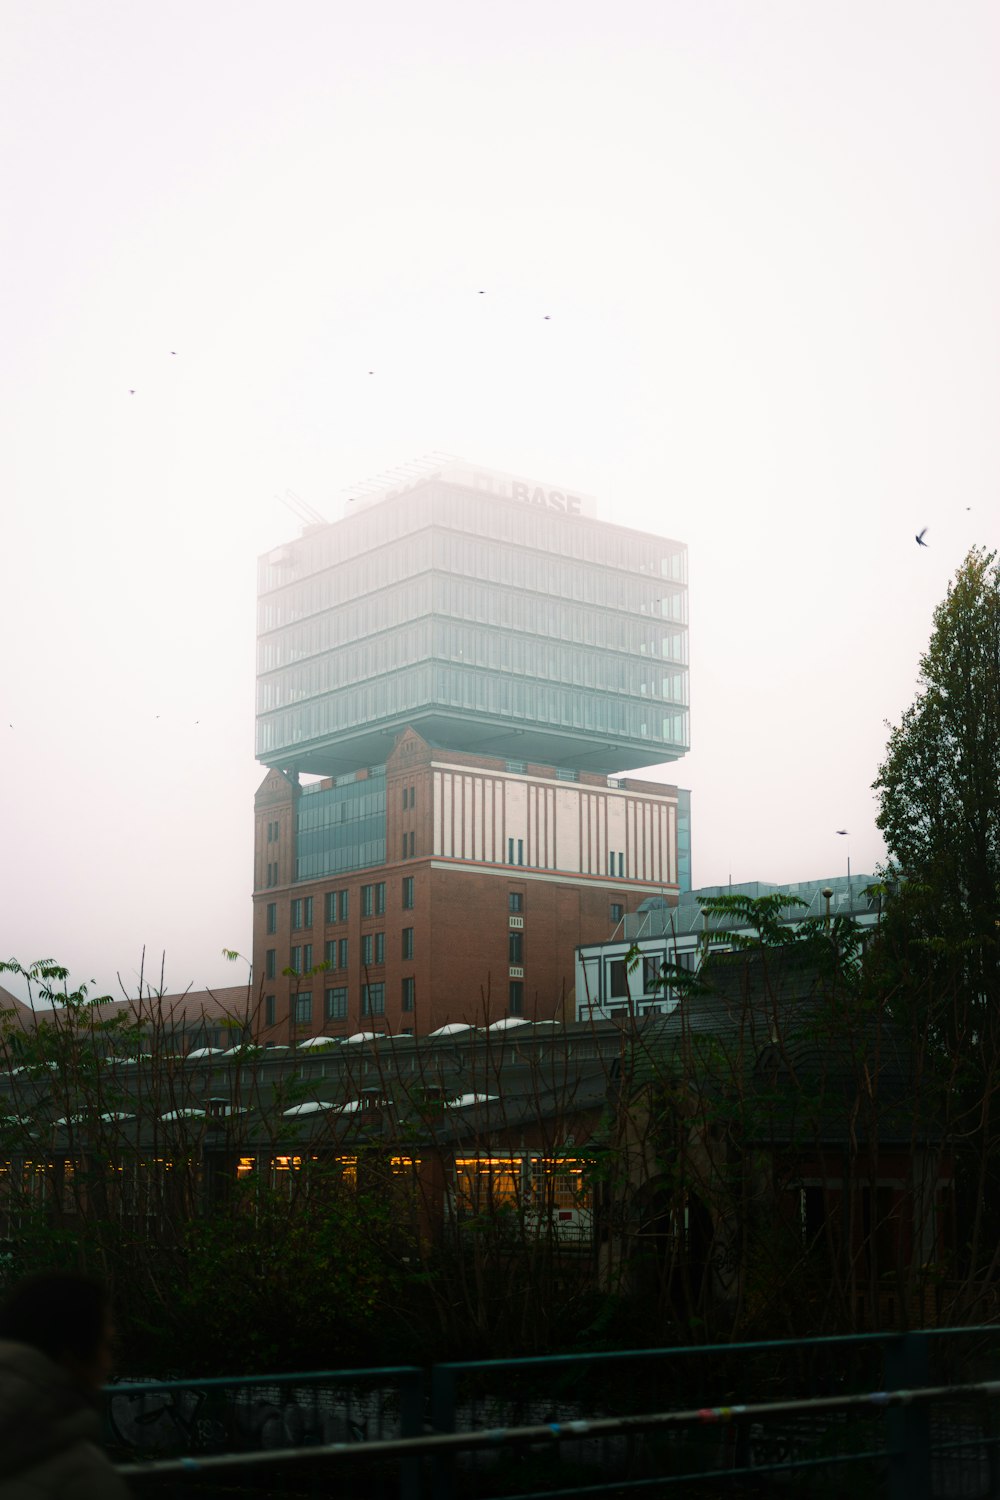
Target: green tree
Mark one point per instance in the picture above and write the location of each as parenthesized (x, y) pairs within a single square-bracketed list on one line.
[(939, 787), (937, 958)]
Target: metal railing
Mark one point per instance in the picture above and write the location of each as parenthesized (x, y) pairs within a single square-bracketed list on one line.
[(809, 1418)]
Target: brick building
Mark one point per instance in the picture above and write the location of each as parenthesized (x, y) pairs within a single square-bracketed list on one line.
[(461, 664)]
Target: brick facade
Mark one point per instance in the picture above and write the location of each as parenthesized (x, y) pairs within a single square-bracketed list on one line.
[(456, 953)]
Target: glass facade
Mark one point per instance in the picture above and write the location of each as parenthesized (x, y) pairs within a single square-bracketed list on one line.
[(683, 839), (340, 828), (464, 613)]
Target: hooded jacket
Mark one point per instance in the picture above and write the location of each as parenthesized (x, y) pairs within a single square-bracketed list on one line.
[(49, 1434)]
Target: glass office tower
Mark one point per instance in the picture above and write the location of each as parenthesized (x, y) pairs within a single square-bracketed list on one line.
[(494, 615)]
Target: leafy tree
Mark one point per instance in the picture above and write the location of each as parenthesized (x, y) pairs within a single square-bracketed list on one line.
[(939, 788)]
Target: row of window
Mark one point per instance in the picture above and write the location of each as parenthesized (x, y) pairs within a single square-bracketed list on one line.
[(364, 620), (468, 557), (337, 953), (337, 905), (472, 691), (478, 515), (335, 1001), (487, 649)]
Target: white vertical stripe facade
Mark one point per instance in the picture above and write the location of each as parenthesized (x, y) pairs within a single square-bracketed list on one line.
[(560, 826)]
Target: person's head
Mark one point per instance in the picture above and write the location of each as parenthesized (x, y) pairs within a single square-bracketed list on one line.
[(66, 1316)]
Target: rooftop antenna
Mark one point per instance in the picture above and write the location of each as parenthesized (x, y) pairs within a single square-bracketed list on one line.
[(306, 512)]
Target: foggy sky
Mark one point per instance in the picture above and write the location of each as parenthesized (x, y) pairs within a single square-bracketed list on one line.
[(766, 239)]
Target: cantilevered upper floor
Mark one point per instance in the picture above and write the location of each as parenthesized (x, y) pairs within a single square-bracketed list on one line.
[(494, 615)]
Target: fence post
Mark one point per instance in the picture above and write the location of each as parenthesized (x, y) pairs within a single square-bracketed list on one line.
[(411, 1421), (443, 1420), (908, 1429)]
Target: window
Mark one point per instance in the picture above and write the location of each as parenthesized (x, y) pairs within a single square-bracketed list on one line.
[(413, 796), (651, 976), (373, 999), (272, 916), (295, 959), (303, 1008), (270, 958), (342, 954), (520, 851), (515, 947), (409, 991), (510, 851), (336, 1004), (407, 942), (373, 899), (515, 997), (380, 947), (307, 911), (331, 906), (405, 844), (515, 901), (408, 893), (330, 952), (618, 976), (406, 797), (367, 948), (296, 915), (412, 841), (621, 866), (269, 1010), (617, 911), (344, 905)]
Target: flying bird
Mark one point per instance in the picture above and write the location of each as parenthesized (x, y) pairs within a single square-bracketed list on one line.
[(131, 393), (920, 538), (546, 318), (841, 831)]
